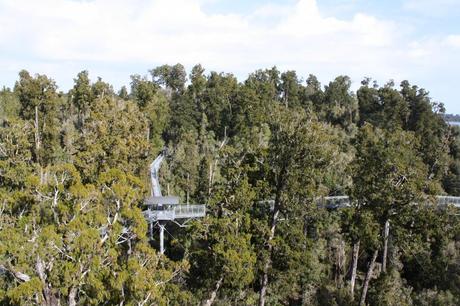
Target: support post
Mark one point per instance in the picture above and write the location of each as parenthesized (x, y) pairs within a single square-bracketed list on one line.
[(151, 230), (162, 238)]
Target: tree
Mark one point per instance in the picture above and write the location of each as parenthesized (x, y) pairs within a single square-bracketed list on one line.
[(341, 105), (291, 89), (218, 100), (383, 107), (82, 96), (153, 103), (314, 96), (9, 104), (299, 157), (39, 105), (429, 126), (388, 177), (173, 77), (113, 137)]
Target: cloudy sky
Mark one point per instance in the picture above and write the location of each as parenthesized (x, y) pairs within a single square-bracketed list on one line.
[(418, 40)]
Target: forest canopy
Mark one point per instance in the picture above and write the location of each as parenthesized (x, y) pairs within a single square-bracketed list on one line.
[(260, 153)]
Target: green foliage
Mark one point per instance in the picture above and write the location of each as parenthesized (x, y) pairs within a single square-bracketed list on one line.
[(9, 104), (82, 96), (386, 174), (39, 105), (390, 289), (173, 77), (260, 154), (432, 297), (341, 106)]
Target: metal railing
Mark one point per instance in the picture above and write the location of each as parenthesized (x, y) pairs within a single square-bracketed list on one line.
[(172, 212), (335, 202), (448, 200), (344, 201), (189, 211)]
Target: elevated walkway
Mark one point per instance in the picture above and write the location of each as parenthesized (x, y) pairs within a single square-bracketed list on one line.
[(170, 212), (344, 201), (161, 209), (448, 200)]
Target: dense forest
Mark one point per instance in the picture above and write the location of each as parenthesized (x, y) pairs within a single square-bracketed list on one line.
[(74, 176)]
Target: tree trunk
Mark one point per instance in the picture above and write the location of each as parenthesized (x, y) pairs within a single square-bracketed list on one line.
[(354, 267), (188, 187), (37, 136), (213, 296), (48, 297), (263, 289), (210, 178), (72, 296), (386, 232), (368, 278), (286, 94), (340, 263)]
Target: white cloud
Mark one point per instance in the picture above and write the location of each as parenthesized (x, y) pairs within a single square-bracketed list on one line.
[(61, 36), (453, 41), (179, 30), (432, 8)]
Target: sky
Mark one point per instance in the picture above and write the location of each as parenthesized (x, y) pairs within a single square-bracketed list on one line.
[(417, 40)]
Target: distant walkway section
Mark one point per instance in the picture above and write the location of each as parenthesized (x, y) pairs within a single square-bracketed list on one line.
[(344, 201)]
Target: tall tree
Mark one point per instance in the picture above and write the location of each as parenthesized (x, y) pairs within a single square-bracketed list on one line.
[(388, 177), (341, 103), (39, 105), (300, 155), (173, 77), (81, 96)]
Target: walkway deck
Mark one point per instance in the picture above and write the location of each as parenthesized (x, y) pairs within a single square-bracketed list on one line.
[(173, 212), (344, 201)]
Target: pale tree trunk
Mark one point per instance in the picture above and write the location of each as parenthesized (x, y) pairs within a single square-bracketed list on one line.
[(188, 188), (17, 274), (339, 263), (286, 103), (213, 296), (38, 145), (210, 178), (213, 167), (48, 296), (263, 289), (386, 233), (72, 296), (368, 278), (37, 134), (354, 267)]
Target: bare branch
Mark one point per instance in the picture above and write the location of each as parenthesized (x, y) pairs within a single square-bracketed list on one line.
[(19, 275)]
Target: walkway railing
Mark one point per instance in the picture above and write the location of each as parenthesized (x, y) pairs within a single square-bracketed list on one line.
[(448, 200), (172, 212), (344, 201)]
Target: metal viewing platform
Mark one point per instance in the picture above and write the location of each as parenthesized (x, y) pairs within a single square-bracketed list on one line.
[(173, 212), (161, 209)]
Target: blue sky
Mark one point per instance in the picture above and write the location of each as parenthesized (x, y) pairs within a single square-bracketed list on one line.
[(418, 40)]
